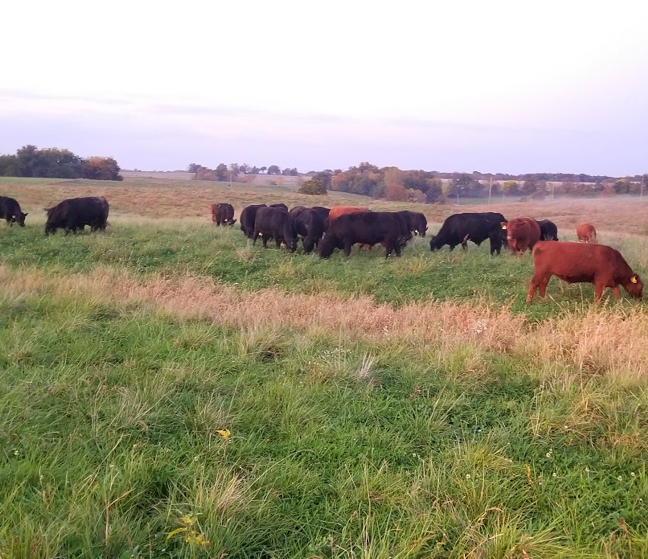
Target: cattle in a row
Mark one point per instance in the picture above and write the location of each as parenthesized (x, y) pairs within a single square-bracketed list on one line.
[(74, 214), (600, 265), (223, 214), (11, 212)]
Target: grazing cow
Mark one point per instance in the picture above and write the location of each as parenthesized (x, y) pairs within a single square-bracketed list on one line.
[(367, 228), (75, 213), (586, 233), (10, 210), (280, 205), (417, 222), (522, 233), (309, 225), (247, 218), (548, 230), (223, 214), (476, 227), (575, 262), (275, 223)]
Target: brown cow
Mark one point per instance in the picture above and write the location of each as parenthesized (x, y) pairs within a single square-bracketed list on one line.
[(576, 262), (586, 233), (522, 233)]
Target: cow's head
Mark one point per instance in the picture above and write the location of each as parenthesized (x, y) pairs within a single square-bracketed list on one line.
[(435, 243), (19, 219), (634, 287)]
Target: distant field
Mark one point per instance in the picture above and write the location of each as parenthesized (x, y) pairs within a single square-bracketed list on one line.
[(169, 390)]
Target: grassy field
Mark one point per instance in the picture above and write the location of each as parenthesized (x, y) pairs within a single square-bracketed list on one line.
[(169, 390)]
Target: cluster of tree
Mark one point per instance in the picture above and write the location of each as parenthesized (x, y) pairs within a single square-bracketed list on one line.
[(312, 186), (229, 172), (387, 182), (29, 161)]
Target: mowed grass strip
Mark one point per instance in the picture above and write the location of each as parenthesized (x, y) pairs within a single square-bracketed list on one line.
[(134, 406)]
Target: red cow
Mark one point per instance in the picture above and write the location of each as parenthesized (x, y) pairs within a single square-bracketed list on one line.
[(576, 262), (337, 211), (586, 233), (522, 233)]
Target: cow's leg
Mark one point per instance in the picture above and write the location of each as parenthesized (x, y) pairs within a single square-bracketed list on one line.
[(265, 239), (278, 242), (347, 248), (616, 292), (598, 290), (532, 289)]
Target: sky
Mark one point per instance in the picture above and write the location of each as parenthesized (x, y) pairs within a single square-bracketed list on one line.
[(491, 86)]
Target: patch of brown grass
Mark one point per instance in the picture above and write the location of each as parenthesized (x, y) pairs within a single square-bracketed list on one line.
[(567, 350)]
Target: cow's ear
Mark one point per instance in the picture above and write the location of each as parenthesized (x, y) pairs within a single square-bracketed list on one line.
[(634, 279)]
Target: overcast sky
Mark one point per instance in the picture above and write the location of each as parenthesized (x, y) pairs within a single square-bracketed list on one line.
[(499, 86)]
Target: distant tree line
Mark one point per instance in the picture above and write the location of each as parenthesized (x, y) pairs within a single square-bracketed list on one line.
[(29, 161), (433, 187), (224, 172), (395, 184)]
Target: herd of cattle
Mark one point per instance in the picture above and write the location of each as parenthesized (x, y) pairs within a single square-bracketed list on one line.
[(342, 227)]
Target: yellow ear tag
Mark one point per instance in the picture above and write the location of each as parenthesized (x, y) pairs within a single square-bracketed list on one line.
[(633, 279), (504, 227)]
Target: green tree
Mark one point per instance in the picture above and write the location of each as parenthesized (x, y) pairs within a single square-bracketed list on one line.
[(222, 172), (9, 166), (274, 170)]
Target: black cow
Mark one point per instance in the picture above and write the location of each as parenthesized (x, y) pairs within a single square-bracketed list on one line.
[(10, 210), (548, 230), (247, 218), (309, 225), (369, 228), (323, 213), (458, 229), (223, 214), (417, 222), (275, 223), (280, 205), (75, 213)]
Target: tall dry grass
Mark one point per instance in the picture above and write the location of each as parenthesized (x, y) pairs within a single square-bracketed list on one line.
[(600, 341)]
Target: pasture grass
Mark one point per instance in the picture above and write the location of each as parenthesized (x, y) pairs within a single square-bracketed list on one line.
[(167, 384)]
